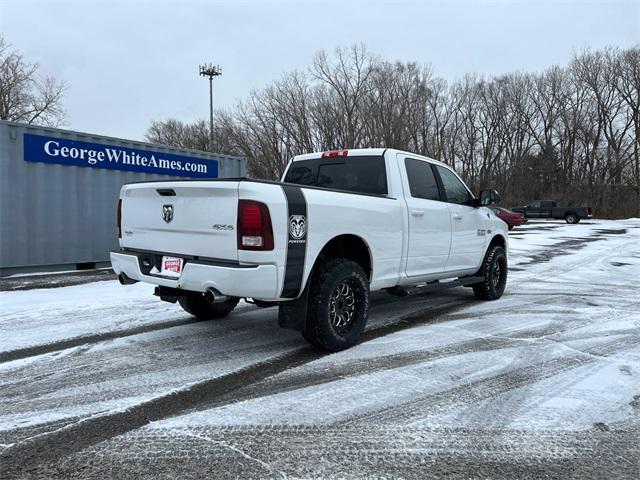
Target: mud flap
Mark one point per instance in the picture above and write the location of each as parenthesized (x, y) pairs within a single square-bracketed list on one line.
[(292, 315)]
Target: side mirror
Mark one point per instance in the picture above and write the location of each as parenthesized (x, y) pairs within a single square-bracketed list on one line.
[(489, 197)]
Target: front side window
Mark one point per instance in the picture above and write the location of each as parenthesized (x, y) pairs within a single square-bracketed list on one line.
[(422, 181), (454, 189), (535, 204)]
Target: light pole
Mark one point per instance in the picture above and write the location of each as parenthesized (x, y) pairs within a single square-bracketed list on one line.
[(210, 71)]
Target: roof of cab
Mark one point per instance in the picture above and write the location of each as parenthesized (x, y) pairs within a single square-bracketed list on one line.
[(357, 152)]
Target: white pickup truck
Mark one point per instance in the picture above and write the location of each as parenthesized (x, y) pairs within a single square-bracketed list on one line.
[(341, 223)]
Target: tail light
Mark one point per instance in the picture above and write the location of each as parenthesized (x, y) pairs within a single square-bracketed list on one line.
[(119, 218), (254, 226), (335, 153)]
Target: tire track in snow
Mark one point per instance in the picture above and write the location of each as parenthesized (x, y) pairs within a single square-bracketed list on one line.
[(20, 434), (50, 446), (358, 452), (332, 372), (29, 387), (99, 427), (290, 381), (20, 353), (486, 388), (440, 313), (74, 437), (35, 350)]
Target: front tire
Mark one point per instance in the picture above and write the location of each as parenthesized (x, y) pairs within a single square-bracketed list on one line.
[(195, 304), (338, 305), (494, 272)]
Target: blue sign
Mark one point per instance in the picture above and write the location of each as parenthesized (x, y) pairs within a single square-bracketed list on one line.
[(39, 148)]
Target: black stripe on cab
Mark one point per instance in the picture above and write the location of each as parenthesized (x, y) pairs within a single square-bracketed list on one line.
[(296, 241)]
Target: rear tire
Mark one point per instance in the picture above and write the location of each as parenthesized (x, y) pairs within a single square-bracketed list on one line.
[(338, 305), (195, 304), (571, 218), (494, 272)]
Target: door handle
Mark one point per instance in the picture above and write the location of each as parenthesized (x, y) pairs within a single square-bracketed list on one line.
[(456, 216), (417, 213)]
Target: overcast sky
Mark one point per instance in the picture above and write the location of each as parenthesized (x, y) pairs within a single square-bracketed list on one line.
[(128, 63)]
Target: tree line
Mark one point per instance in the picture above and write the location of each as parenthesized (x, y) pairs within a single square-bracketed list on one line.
[(569, 133)]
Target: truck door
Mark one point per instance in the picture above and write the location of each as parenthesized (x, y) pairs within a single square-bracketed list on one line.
[(468, 233), (533, 209), (546, 209), (429, 237)]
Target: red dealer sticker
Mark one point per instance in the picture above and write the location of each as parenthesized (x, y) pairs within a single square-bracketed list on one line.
[(171, 266)]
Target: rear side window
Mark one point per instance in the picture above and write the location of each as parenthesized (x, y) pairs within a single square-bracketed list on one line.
[(422, 181), (303, 174), (362, 174), (454, 189)]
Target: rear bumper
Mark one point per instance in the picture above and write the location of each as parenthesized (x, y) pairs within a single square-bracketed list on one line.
[(255, 281)]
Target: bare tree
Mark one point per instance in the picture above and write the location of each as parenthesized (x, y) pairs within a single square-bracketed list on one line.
[(25, 96), (346, 77), (626, 80), (569, 133)]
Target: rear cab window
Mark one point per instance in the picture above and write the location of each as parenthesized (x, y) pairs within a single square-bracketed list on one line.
[(359, 174)]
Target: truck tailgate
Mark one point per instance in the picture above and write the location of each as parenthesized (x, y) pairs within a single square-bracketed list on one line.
[(194, 218)]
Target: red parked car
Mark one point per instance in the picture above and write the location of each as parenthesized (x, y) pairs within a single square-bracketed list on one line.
[(512, 219)]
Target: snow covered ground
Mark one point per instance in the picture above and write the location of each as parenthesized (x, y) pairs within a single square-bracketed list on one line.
[(100, 380)]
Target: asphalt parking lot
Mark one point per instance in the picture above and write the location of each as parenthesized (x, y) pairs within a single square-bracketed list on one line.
[(103, 381)]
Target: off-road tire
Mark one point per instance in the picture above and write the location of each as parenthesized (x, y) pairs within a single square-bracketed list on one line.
[(492, 288), (195, 304), (326, 286), (571, 218)]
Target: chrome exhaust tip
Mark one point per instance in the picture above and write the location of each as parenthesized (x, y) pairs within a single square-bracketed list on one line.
[(210, 295), (213, 296)]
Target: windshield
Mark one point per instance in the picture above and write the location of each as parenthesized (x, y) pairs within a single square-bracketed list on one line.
[(361, 174)]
